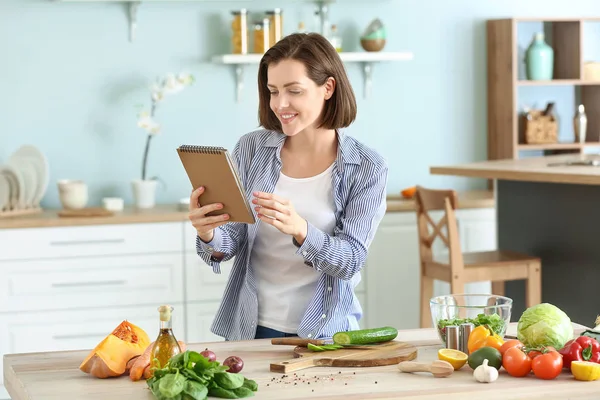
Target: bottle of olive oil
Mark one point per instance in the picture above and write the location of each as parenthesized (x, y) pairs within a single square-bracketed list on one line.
[(166, 345)]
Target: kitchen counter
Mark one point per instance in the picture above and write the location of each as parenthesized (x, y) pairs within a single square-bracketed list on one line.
[(534, 169), (55, 375), (171, 213), (549, 212)]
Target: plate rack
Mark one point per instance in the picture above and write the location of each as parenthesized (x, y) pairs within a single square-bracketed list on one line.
[(19, 212)]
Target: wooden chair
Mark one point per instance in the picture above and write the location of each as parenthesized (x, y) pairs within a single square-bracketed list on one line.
[(496, 266)]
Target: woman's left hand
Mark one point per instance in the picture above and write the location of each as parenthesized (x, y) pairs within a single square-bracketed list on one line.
[(280, 213)]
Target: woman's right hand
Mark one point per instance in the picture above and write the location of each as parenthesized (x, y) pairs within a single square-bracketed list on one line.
[(205, 225)]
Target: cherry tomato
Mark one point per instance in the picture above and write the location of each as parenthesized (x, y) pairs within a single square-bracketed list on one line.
[(510, 343), (548, 365), (534, 353), (516, 362)]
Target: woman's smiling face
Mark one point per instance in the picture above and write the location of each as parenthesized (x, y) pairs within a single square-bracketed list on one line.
[(296, 100)]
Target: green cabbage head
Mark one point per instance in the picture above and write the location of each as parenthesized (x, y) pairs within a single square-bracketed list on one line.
[(544, 325)]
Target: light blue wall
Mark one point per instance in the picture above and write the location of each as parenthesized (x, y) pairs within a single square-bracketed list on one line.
[(70, 82)]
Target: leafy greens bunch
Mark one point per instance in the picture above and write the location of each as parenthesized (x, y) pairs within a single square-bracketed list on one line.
[(191, 376)]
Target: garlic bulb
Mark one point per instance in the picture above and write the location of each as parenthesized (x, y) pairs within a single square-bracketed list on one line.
[(484, 373)]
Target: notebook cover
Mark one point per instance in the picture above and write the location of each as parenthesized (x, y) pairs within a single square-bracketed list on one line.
[(213, 168)]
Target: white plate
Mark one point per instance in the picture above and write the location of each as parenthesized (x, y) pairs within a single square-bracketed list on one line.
[(16, 185), (41, 166), (13, 188), (29, 178), (4, 193)]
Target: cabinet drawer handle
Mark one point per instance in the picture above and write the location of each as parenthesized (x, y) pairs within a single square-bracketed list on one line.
[(80, 336), (95, 283), (86, 242)]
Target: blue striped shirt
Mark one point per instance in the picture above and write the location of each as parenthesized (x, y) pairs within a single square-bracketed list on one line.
[(359, 184)]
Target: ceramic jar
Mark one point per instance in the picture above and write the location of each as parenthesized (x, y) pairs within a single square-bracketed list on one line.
[(73, 194), (539, 59)]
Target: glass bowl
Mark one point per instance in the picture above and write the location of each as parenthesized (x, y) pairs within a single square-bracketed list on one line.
[(479, 309)]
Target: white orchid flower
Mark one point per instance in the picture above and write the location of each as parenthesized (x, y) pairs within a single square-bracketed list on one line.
[(146, 122), (185, 79), (172, 85), (157, 93)]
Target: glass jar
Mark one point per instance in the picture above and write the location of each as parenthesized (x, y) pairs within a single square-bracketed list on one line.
[(239, 30), (276, 26), (261, 36)]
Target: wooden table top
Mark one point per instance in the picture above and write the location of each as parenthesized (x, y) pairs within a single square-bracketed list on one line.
[(535, 169), (171, 213), (56, 375)]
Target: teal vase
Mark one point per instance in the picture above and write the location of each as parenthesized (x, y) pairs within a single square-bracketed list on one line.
[(539, 59)]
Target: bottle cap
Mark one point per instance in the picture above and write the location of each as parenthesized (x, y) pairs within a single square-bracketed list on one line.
[(165, 313)]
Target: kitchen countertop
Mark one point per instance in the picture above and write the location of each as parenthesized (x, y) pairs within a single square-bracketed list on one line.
[(55, 375), (533, 169), (171, 213)]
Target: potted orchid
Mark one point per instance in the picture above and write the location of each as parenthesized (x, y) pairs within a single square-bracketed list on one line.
[(144, 189)]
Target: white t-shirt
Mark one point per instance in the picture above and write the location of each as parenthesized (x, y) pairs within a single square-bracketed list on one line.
[(285, 284)]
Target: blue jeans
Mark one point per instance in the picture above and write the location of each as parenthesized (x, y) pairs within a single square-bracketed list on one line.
[(268, 333)]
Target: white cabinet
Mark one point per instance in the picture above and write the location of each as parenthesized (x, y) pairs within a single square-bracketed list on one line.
[(393, 270), (392, 273), (103, 281)]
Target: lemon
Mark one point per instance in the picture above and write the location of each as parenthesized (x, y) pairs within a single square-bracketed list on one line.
[(585, 370), (456, 358)]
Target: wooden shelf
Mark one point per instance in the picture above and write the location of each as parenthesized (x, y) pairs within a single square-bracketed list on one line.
[(558, 82), (367, 59), (504, 61), (557, 146)]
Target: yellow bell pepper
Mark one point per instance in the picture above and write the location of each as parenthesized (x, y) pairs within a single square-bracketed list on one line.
[(483, 336)]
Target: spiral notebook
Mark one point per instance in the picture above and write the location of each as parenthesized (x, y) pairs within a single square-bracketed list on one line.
[(213, 168)]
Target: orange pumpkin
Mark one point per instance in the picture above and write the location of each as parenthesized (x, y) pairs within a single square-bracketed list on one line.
[(112, 355)]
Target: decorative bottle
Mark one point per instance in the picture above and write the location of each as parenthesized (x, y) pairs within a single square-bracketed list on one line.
[(539, 59), (166, 345), (580, 124)]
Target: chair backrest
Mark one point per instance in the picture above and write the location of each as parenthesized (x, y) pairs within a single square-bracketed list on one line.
[(433, 200)]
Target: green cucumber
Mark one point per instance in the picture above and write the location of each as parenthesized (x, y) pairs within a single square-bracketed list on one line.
[(366, 336)]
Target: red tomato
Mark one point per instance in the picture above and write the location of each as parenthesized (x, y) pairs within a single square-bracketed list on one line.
[(516, 362), (548, 365), (510, 343)]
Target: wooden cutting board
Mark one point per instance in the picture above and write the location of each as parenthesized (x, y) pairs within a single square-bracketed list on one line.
[(389, 353)]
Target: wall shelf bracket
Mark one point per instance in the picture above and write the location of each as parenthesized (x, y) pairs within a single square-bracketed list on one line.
[(133, 10), (368, 76), (239, 81)]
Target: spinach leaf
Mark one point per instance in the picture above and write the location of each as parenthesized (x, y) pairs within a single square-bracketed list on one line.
[(171, 385), (250, 384), (243, 392), (217, 391), (193, 376), (228, 380), (196, 390)]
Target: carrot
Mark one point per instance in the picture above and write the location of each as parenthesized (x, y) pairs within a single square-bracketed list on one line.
[(130, 364), (141, 367), (148, 372)]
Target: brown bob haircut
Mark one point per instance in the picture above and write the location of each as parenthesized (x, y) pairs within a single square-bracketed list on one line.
[(321, 61)]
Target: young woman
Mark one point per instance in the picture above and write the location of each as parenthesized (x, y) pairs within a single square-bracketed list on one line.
[(319, 196)]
